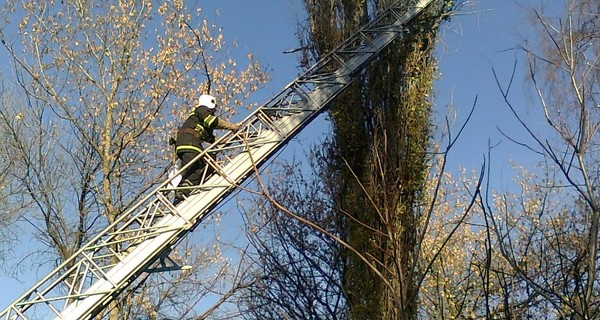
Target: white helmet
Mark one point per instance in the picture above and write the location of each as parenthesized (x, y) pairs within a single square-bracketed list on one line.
[(207, 101)]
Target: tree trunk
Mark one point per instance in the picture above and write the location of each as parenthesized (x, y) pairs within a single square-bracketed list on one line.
[(381, 131)]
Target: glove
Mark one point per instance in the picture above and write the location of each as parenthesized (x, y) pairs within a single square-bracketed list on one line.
[(228, 125), (234, 126)]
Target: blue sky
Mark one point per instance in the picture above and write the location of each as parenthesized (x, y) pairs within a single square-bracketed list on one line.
[(474, 42), (480, 38), (483, 36)]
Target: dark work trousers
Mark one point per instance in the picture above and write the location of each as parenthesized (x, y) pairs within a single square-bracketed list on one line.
[(193, 174)]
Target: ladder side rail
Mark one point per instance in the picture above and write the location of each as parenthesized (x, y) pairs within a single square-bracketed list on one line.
[(66, 268), (315, 98), (127, 270), (94, 246)]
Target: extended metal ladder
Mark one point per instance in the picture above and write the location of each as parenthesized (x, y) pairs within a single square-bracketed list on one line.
[(140, 241)]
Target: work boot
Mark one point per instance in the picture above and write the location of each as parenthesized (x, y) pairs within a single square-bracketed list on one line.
[(182, 194)]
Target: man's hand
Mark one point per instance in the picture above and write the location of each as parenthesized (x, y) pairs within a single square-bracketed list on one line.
[(228, 125)]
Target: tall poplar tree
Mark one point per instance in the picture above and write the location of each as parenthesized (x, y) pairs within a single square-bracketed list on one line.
[(380, 138)]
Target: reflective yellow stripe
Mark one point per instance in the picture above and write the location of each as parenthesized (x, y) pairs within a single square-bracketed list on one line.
[(187, 148), (209, 120), (201, 131)]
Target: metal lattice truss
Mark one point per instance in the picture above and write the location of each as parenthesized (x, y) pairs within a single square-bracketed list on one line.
[(140, 241)]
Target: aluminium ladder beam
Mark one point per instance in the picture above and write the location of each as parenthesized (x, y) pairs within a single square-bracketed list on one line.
[(204, 199), (139, 241)]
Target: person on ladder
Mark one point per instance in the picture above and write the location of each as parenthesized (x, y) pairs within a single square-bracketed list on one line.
[(197, 128)]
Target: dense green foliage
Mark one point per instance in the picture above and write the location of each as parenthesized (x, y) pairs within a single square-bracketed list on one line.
[(381, 132)]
